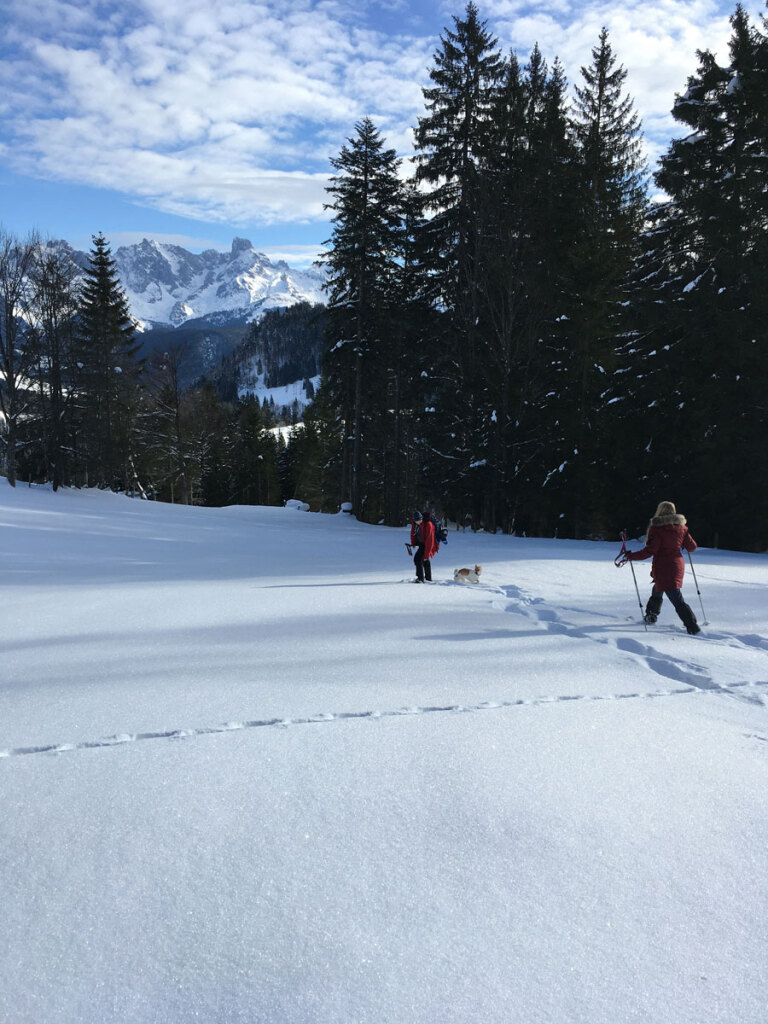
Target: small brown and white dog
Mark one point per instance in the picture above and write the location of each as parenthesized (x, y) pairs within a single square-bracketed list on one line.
[(467, 575)]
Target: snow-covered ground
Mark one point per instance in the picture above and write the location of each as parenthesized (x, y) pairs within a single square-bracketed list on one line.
[(282, 396), (250, 774)]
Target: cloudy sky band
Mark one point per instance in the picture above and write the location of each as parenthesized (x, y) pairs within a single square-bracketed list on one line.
[(226, 112)]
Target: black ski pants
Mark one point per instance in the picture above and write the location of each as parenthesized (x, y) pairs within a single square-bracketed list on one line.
[(676, 597), (423, 566)]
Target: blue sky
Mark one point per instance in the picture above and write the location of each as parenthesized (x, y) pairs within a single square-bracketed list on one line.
[(197, 120)]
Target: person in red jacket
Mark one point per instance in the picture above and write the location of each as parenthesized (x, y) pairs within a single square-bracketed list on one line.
[(423, 540), (667, 536)]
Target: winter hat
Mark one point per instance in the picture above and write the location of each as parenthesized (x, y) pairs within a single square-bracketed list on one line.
[(417, 516), (666, 508)]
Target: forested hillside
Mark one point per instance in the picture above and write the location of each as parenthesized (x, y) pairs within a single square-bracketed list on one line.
[(284, 346), (525, 324), (528, 327)]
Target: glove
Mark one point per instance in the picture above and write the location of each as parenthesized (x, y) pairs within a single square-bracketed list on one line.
[(622, 559)]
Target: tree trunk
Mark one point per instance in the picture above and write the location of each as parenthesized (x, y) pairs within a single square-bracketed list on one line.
[(358, 424)]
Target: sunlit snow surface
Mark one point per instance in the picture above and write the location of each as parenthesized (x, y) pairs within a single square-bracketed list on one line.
[(249, 773)]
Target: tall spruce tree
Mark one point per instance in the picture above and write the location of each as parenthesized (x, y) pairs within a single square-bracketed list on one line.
[(526, 225), (254, 476), (501, 305), (362, 263), (110, 370), (696, 365), (409, 379), (313, 454), (453, 141), (165, 433), (611, 200)]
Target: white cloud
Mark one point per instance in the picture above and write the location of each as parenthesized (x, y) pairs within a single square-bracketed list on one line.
[(193, 243), (655, 41), (229, 110), (215, 110), (299, 256)]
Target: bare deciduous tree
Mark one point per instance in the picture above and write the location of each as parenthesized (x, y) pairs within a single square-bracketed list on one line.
[(16, 341)]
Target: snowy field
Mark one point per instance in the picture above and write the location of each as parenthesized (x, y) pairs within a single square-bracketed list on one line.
[(249, 774), (282, 396)]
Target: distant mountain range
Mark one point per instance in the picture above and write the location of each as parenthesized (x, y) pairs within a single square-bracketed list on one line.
[(168, 286), (205, 299)]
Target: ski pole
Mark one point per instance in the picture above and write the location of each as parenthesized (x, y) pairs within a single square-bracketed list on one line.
[(637, 589), (639, 601), (697, 589)]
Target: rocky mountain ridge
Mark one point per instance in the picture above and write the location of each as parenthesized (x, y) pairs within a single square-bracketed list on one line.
[(168, 286), (204, 300)]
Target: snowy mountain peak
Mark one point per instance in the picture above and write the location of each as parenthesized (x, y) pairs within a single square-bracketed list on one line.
[(168, 286)]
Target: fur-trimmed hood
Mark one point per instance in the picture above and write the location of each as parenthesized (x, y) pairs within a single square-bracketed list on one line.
[(669, 520)]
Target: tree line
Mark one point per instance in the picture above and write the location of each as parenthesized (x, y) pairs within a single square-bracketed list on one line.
[(524, 327), (524, 331), (80, 407)]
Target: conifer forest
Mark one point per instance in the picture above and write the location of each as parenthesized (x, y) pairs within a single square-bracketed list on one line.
[(527, 327)]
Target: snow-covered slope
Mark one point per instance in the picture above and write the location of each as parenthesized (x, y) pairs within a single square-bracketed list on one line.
[(166, 284), (250, 774)]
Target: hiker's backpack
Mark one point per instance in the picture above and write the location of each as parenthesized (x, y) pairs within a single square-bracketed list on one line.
[(441, 534)]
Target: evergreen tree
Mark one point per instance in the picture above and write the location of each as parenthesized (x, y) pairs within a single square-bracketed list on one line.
[(526, 226), (312, 454), (165, 429), (454, 142), (411, 382), (362, 265), (110, 370), (211, 444), (610, 198), (253, 458), (696, 365)]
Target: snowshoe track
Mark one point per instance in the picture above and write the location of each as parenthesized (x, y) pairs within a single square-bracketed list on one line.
[(691, 677), (680, 670), (321, 718)]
